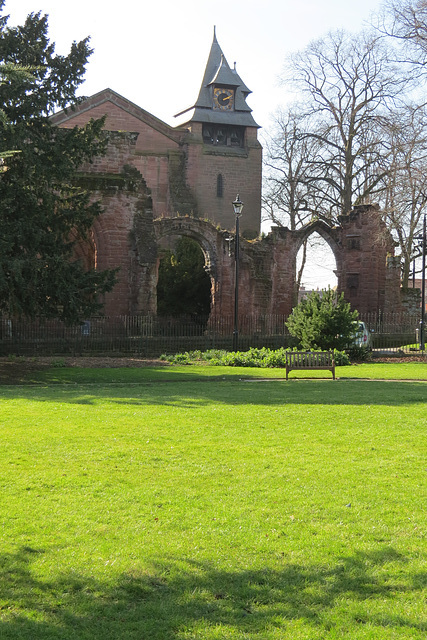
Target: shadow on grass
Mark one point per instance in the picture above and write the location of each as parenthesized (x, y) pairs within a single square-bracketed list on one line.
[(175, 599), (230, 392), (31, 374)]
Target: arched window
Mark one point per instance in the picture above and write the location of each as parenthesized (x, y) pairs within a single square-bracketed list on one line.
[(219, 186)]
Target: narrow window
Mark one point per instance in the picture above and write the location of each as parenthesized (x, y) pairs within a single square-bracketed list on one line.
[(219, 186)]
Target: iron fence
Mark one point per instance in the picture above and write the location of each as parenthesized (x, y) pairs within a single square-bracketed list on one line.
[(150, 336), (393, 331)]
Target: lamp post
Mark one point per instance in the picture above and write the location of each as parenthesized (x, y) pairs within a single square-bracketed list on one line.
[(423, 288), (421, 252), (237, 206)]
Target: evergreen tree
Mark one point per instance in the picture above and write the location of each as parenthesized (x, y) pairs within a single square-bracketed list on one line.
[(323, 320), (44, 215)]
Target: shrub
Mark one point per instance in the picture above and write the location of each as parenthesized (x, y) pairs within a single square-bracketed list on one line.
[(323, 321), (358, 354), (254, 357), (342, 359)]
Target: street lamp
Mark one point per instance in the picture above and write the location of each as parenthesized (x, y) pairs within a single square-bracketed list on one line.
[(422, 250), (423, 289), (237, 206)]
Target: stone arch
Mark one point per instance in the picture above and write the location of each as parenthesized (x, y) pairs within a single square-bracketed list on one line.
[(203, 232), (213, 243), (126, 235), (362, 247), (328, 233)]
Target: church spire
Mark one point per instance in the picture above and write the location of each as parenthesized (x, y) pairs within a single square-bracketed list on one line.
[(219, 75)]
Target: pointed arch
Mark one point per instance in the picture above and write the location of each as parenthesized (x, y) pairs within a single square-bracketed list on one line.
[(329, 234)]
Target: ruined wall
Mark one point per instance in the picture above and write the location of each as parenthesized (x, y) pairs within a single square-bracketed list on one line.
[(366, 276), (362, 247), (127, 214), (127, 235), (157, 146)]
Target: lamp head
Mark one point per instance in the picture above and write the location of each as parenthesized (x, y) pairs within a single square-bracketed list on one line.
[(238, 206)]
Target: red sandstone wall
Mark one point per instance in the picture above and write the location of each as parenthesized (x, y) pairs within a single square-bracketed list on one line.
[(150, 153), (241, 171), (111, 232), (365, 246), (240, 168), (267, 268)]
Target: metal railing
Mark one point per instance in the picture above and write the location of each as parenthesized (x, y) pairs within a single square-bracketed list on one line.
[(393, 331), (150, 336)]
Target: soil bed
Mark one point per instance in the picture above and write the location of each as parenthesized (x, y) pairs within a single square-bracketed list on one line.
[(15, 371)]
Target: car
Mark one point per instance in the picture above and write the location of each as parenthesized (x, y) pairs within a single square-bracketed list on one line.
[(362, 336)]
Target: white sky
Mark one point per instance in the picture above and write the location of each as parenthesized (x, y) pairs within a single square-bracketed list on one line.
[(154, 52)]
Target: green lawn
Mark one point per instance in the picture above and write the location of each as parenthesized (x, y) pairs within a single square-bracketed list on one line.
[(175, 373), (197, 503)]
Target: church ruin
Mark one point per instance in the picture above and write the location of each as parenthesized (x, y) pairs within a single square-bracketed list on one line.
[(158, 182)]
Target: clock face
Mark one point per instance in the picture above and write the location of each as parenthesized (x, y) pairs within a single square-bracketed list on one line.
[(223, 99)]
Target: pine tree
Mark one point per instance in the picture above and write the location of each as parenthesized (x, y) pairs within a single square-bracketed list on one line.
[(323, 320), (44, 214)]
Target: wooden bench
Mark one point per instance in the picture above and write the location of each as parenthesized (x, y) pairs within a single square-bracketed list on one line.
[(310, 360)]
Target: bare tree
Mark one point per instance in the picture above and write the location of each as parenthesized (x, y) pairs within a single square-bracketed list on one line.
[(289, 198), (405, 196), (355, 140), (351, 86), (406, 22)]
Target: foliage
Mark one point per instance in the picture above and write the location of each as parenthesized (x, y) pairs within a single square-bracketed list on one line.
[(45, 218), (358, 354), (323, 320), (184, 287), (253, 357), (10, 72)]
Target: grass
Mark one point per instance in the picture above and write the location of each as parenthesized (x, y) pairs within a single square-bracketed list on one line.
[(174, 505), (176, 373)]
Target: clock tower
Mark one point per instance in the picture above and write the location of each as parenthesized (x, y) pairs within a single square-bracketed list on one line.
[(224, 156)]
